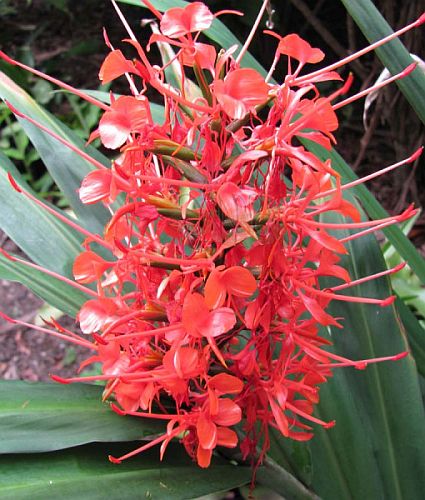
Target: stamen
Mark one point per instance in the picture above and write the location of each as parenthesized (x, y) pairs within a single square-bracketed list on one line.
[(345, 298), (361, 52), (145, 447), (252, 32), (385, 170), (59, 83), (365, 362), (376, 87), (393, 270), (59, 277), (296, 410), (72, 340)]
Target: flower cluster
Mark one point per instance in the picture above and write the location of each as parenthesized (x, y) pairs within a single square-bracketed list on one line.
[(208, 311)]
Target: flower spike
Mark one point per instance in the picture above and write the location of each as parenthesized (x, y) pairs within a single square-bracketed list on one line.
[(208, 312)]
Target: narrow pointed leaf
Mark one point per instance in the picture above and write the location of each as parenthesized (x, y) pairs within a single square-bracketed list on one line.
[(85, 472), (415, 334), (38, 417), (66, 167), (31, 227), (393, 55), (55, 292), (278, 479)]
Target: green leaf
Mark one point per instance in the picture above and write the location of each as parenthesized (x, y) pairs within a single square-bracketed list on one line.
[(218, 32), (39, 417), (393, 54), (85, 472), (65, 166), (376, 449), (293, 456), (43, 237), (52, 290), (281, 481), (415, 334)]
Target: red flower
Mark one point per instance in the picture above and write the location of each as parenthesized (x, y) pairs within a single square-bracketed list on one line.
[(236, 281), (127, 115), (240, 91), (115, 65), (294, 46), (178, 22)]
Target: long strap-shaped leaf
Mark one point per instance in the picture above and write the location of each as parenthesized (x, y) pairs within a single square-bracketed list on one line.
[(39, 417), (393, 55), (65, 166), (85, 472), (376, 449), (34, 229)]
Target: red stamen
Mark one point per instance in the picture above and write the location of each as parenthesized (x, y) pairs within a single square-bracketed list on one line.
[(72, 339), (376, 87), (61, 217), (360, 53), (393, 270), (59, 83), (365, 362)]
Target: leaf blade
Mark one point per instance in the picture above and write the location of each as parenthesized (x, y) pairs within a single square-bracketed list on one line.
[(40, 417), (65, 166), (86, 471)]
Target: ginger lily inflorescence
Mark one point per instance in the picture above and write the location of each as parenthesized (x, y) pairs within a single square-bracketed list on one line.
[(208, 312)]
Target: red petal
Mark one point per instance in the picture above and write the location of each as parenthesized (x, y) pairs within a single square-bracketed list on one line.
[(326, 240), (219, 321), (239, 281), (317, 311), (214, 290), (280, 418), (95, 314), (89, 267), (203, 457), (236, 203), (224, 383), (247, 85), (294, 46), (127, 115), (183, 361), (229, 413), (96, 186), (241, 91), (114, 65), (226, 437), (207, 432), (177, 22), (202, 54), (195, 314)]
